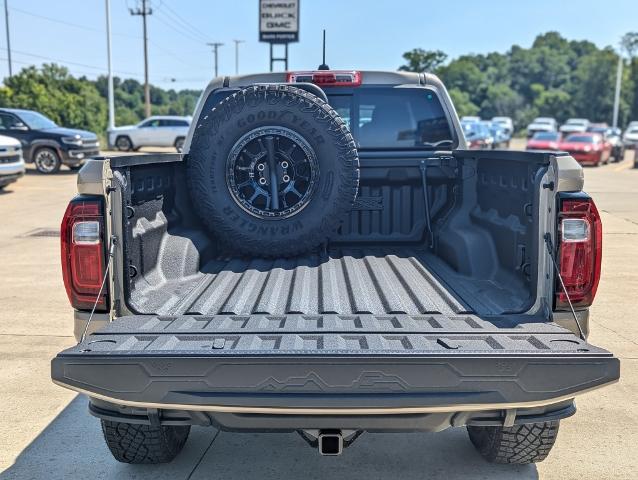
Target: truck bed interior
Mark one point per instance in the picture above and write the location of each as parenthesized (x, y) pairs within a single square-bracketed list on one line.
[(450, 234)]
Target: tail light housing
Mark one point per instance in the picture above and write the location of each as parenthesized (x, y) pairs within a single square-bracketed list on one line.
[(326, 78), (83, 254), (580, 238)]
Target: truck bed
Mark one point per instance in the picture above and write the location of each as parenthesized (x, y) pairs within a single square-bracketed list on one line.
[(342, 281)]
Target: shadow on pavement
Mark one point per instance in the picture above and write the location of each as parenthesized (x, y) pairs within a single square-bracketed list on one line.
[(71, 446)]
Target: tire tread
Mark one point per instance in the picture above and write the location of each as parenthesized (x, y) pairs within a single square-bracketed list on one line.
[(348, 171), (134, 443), (519, 444)]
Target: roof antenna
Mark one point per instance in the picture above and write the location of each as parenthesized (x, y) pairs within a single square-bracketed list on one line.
[(323, 66)]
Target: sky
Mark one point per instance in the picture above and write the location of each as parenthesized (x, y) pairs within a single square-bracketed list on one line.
[(361, 34)]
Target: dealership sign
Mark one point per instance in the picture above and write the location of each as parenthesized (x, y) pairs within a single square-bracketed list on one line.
[(279, 21)]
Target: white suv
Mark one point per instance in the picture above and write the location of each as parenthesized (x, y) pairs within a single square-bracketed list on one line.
[(11, 161), (157, 131)]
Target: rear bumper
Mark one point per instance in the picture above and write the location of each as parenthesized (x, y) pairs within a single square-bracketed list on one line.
[(474, 367)]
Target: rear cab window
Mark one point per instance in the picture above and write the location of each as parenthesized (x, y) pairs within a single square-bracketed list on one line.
[(393, 118)]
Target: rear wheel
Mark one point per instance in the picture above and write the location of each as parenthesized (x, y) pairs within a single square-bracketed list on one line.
[(123, 144), (179, 144), (47, 160), (132, 443), (519, 444)]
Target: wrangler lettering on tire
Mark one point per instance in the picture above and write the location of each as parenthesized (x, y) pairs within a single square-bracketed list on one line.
[(272, 171)]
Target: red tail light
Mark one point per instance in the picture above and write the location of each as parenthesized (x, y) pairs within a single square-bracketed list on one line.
[(326, 78), (83, 254), (580, 251)]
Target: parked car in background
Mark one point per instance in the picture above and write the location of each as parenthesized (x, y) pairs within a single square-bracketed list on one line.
[(574, 125), (477, 134), (587, 148), (545, 141), (541, 124), (630, 138), (506, 123), (611, 135), (501, 138), (157, 131), (46, 144), (11, 161), (470, 119)]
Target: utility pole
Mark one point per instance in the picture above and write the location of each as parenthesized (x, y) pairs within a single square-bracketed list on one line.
[(145, 12), (617, 93), (110, 77), (237, 42), (6, 21), (215, 46)]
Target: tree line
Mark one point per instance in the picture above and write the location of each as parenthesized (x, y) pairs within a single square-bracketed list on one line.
[(555, 77), (82, 103)]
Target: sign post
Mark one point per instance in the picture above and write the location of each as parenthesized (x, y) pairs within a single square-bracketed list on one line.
[(279, 24)]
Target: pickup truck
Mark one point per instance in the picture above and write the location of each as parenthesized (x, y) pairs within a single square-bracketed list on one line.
[(326, 256)]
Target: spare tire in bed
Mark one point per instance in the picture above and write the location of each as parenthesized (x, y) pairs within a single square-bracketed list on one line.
[(272, 170)]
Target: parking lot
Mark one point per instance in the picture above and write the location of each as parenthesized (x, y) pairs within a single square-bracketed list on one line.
[(47, 432)]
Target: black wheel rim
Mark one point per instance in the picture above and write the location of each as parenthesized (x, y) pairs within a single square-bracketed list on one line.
[(272, 172)]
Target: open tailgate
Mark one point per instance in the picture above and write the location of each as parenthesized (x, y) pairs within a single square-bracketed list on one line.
[(332, 363)]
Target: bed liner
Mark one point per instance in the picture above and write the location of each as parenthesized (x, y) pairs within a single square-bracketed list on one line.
[(341, 281)]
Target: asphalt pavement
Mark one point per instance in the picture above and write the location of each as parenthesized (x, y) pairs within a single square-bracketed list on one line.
[(47, 432)]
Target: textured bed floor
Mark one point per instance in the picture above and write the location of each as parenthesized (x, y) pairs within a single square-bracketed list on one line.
[(343, 282)]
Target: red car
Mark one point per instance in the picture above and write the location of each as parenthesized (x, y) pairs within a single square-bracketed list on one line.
[(587, 148), (544, 141)]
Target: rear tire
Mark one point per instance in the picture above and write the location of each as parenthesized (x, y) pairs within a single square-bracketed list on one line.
[(123, 143), (179, 144), (520, 444), (132, 443), (47, 160)]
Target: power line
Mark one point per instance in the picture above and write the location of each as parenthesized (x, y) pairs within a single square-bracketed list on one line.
[(70, 24), (179, 29), (174, 55), (176, 16), (145, 12)]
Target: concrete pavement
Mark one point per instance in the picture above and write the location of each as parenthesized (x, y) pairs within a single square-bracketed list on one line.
[(46, 431)]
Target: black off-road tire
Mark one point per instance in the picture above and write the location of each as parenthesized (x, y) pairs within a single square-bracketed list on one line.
[(131, 443), (520, 444), (301, 113)]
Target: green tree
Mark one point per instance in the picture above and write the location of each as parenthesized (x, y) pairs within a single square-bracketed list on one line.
[(420, 60), (594, 81), (462, 103)]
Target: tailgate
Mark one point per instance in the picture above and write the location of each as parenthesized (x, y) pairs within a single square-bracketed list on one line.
[(332, 363)]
